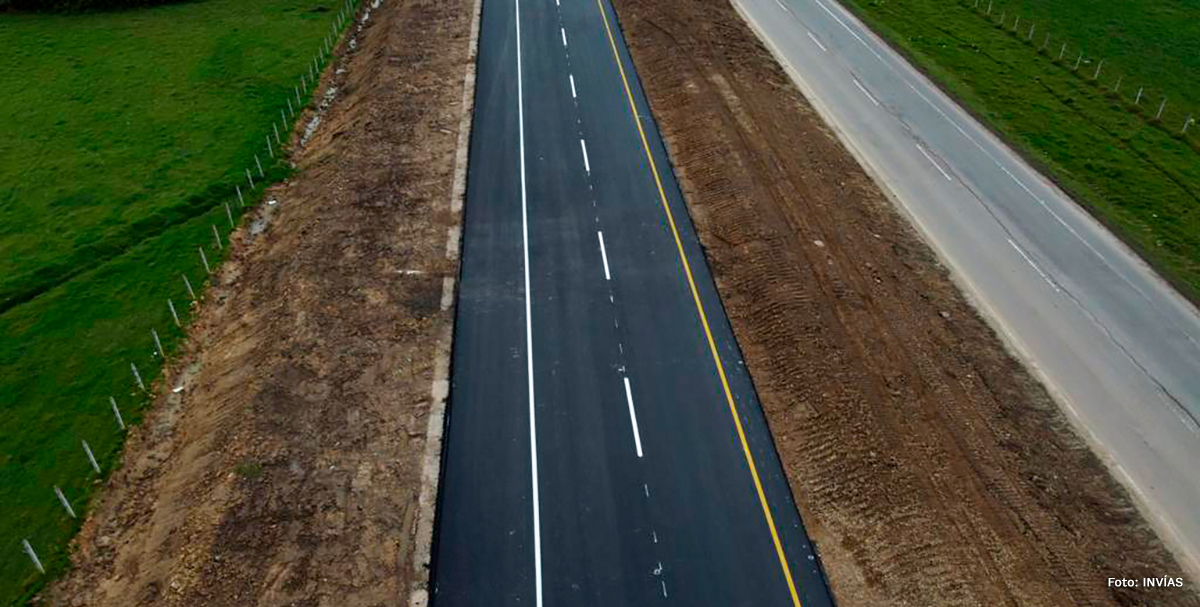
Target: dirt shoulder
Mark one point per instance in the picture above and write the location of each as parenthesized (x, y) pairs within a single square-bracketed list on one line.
[(288, 469), (930, 467)]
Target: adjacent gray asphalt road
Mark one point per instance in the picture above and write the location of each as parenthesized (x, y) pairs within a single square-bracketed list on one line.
[(1114, 342), (605, 446)]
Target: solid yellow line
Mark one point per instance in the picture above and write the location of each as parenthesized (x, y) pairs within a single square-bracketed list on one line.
[(712, 346)]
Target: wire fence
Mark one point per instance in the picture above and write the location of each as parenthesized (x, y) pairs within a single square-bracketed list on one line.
[(189, 288), (1153, 105)]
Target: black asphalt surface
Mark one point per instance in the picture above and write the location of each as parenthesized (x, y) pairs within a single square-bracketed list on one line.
[(684, 522)]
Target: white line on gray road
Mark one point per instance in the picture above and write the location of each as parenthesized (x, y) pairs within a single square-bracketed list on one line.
[(816, 42), (583, 146), (572, 77), (564, 35), (864, 91), (921, 149), (781, 5), (1029, 261), (637, 436), (1024, 187), (852, 32), (533, 459), (604, 257)]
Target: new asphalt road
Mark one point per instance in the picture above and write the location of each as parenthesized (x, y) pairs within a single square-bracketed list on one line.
[(1110, 339), (604, 445)]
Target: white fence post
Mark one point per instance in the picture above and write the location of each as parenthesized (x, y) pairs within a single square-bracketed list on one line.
[(137, 377), (158, 344), (91, 458), (116, 412), (33, 556), (62, 499), (188, 284)]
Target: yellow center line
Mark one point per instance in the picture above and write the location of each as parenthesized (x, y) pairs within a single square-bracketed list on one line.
[(712, 346)]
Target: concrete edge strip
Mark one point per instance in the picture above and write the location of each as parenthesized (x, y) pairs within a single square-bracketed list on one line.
[(1008, 338), (440, 389)]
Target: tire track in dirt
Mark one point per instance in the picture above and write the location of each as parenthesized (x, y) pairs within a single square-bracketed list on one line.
[(930, 467)]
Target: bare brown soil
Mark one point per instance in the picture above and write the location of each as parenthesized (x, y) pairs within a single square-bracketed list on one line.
[(287, 471), (930, 467)]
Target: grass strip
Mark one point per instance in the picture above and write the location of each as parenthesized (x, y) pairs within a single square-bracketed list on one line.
[(129, 133), (1137, 175)]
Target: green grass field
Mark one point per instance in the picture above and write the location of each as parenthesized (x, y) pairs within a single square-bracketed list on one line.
[(1153, 44), (124, 135), (1136, 174)]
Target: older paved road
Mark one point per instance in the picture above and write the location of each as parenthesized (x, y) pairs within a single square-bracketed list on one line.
[(1115, 343)]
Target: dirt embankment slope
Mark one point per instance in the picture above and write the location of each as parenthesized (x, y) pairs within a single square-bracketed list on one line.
[(930, 467), (288, 469)]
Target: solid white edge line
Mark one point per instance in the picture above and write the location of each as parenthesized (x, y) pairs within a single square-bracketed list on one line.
[(864, 91), (572, 77), (603, 255), (583, 146), (533, 459), (816, 42), (921, 149), (852, 32), (637, 437)]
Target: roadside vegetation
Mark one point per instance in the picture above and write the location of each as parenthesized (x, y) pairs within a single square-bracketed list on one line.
[(1137, 173), (125, 134), (64, 6)]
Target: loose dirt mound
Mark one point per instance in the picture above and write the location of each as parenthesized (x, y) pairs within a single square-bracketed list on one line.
[(930, 468), (287, 470)]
